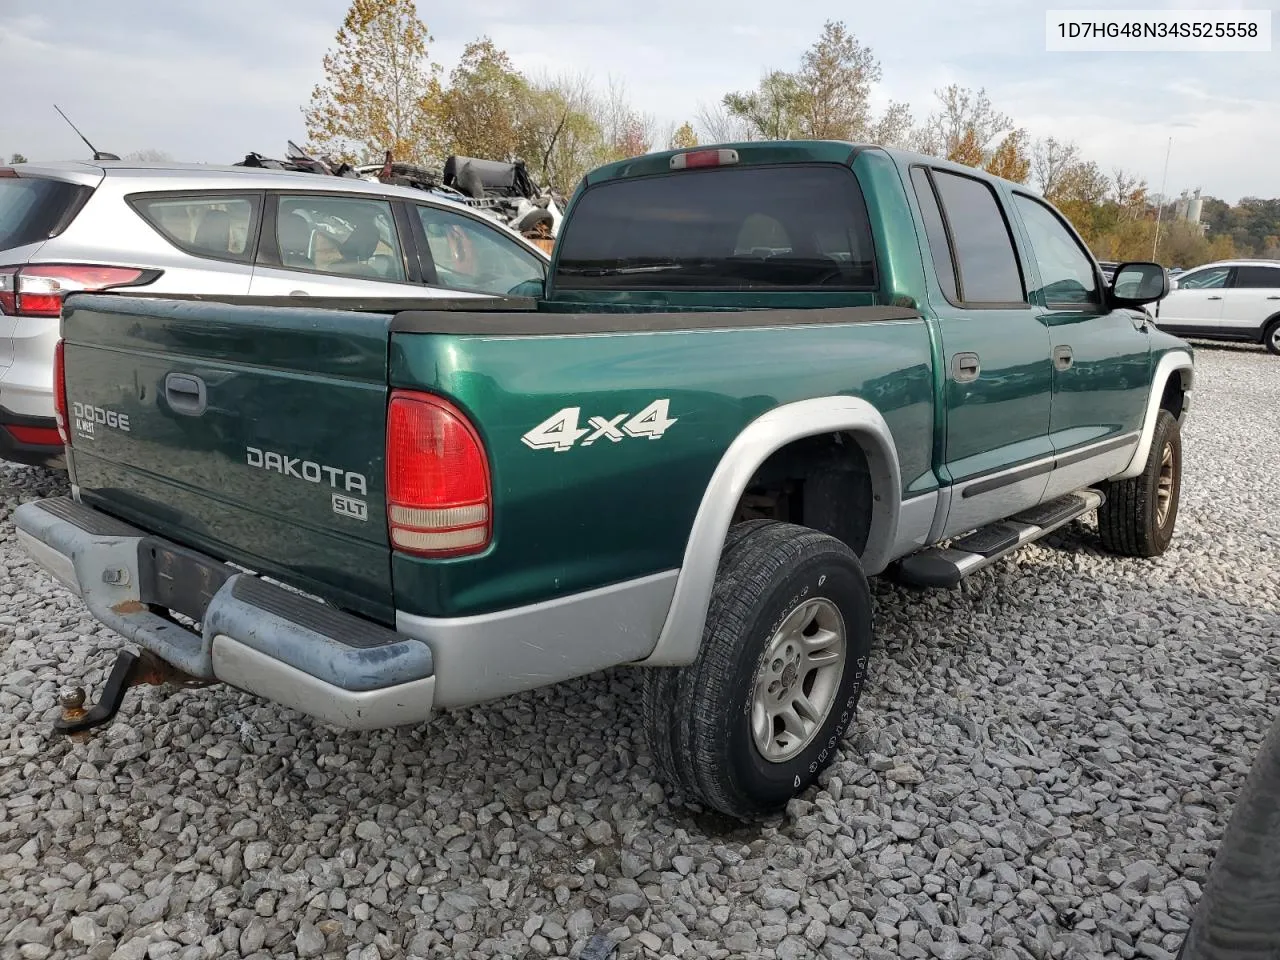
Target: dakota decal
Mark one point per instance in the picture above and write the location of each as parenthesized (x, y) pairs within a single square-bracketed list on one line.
[(308, 470)]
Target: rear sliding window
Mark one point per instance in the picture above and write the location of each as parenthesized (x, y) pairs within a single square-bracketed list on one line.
[(32, 209), (734, 228)]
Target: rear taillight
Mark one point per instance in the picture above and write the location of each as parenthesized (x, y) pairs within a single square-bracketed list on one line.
[(60, 394), (37, 291), (439, 501)]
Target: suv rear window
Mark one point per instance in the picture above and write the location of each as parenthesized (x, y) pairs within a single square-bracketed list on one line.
[(216, 225), (32, 208), (731, 228)]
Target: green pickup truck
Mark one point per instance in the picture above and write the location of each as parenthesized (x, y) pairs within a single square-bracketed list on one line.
[(757, 375)]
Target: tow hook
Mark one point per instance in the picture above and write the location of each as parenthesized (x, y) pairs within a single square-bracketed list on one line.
[(130, 670)]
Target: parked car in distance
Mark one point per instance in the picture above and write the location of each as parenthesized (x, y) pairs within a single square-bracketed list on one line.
[(732, 406), (195, 229), (1233, 300)]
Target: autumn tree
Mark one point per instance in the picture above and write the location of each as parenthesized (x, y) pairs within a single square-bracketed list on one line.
[(380, 91), (480, 113), (772, 110), (682, 138), (560, 138), (1010, 159)]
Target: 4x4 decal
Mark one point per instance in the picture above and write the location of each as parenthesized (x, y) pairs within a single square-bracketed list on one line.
[(560, 431)]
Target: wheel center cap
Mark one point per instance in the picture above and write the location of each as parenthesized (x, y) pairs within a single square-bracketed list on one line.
[(788, 676)]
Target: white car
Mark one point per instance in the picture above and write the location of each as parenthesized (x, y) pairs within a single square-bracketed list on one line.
[(196, 229), (1230, 300)]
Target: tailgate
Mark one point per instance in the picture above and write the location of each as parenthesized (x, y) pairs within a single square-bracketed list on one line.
[(255, 434)]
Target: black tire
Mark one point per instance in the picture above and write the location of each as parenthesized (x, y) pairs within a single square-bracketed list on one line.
[(1236, 915), (698, 717), (1130, 522), (533, 219), (1271, 337)]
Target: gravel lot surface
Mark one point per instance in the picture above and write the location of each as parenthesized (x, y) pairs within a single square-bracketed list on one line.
[(1043, 765)]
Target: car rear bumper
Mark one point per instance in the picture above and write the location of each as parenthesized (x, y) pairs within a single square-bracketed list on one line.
[(30, 439), (251, 634)]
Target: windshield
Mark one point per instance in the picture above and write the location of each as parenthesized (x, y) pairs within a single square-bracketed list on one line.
[(30, 208), (729, 228)]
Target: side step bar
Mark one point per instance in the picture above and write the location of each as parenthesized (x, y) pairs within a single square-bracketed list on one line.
[(947, 566)]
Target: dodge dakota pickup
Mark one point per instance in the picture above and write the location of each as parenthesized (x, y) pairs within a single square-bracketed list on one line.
[(757, 375)]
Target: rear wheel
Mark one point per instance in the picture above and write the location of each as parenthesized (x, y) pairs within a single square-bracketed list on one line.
[(761, 711), (1138, 517), (1271, 337)]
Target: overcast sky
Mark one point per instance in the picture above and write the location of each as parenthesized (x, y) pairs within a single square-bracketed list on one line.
[(208, 81)]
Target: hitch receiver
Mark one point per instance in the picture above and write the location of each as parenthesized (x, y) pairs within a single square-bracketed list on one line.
[(130, 670)]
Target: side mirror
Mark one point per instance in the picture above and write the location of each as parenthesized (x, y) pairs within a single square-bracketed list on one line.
[(1138, 283)]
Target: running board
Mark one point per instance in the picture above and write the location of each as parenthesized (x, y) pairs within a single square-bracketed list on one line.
[(947, 566)]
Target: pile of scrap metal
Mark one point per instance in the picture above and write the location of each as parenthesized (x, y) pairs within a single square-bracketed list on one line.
[(500, 190)]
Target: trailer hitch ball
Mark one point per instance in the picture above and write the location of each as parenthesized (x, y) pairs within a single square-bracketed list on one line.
[(130, 670)]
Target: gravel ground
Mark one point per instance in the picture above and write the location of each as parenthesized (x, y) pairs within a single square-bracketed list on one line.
[(1043, 765)]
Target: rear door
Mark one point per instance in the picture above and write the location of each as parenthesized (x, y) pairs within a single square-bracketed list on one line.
[(1251, 300), (255, 434), (998, 377), (334, 245)]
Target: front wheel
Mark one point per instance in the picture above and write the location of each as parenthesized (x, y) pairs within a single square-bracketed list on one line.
[(1139, 514), (762, 710)]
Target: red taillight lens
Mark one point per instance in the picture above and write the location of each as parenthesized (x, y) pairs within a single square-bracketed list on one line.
[(703, 158), (439, 501), (43, 436), (60, 394), (37, 291)]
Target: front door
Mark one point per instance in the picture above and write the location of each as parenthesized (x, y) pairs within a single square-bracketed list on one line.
[(997, 451), (1101, 356), (1196, 305)]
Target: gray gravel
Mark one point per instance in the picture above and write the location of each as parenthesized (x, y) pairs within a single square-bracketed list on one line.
[(1042, 768)]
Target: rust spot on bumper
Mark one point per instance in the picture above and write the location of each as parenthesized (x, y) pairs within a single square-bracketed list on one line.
[(129, 606)]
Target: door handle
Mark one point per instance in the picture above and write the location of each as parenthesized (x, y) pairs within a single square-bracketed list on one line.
[(1213, 298), (965, 367), (1273, 298), (186, 394), (1062, 358)]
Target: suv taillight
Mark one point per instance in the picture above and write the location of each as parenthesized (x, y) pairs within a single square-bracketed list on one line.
[(60, 394), (439, 500), (37, 291)]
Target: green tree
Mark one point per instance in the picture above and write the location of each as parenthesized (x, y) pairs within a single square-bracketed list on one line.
[(380, 91), (17, 158), (480, 113), (772, 111)]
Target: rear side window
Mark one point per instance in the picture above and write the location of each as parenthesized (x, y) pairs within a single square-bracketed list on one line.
[(352, 236), (984, 248), (1267, 278), (221, 226), (33, 209), (731, 228)]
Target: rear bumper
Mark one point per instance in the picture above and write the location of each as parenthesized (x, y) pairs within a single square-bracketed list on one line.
[(30, 440), (252, 634)]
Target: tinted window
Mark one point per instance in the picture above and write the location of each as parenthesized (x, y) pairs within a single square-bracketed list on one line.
[(353, 236), (212, 225), (1267, 277), (31, 208), (939, 246), (1204, 279), (731, 228), (471, 256), (984, 249), (1066, 271)]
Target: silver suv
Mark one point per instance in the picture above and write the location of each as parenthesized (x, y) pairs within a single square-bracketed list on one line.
[(195, 229)]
